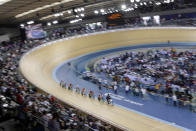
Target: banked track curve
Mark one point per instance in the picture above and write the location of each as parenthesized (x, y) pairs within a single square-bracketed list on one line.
[(38, 64)]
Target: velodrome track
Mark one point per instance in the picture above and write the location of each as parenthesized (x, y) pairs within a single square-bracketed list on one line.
[(38, 64)]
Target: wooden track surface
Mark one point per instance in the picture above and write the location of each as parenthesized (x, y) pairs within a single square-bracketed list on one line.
[(37, 67)]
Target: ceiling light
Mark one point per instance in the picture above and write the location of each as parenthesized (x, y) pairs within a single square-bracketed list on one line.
[(77, 16), (55, 22), (158, 3), (129, 9), (82, 15), (22, 25), (49, 24), (74, 21), (166, 1), (102, 10), (137, 0), (123, 7), (46, 17), (57, 14), (69, 11), (131, 1), (96, 12), (82, 9), (50, 16), (99, 23), (30, 22)]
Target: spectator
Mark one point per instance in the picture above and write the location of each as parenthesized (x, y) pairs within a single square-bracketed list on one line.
[(53, 124), (45, 119)]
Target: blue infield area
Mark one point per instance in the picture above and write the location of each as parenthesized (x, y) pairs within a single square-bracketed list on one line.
[(152, 106)]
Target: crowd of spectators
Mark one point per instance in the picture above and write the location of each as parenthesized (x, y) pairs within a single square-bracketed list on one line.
[(36, 111), (167, 72)]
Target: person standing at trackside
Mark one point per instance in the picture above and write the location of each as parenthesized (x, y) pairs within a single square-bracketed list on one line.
[(166, 97), (126, 89), (115, 89), (53, 124), (143, 91), (174, 98), (136, 91)]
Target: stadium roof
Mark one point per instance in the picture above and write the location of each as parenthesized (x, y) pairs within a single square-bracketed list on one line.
[(18, 11)]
